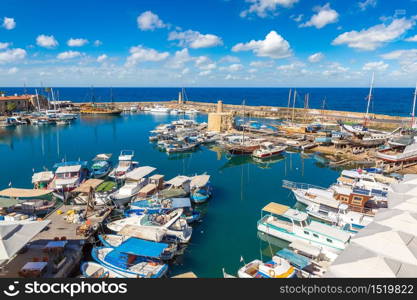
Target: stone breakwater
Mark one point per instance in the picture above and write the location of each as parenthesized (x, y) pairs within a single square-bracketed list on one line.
[(304, 115)]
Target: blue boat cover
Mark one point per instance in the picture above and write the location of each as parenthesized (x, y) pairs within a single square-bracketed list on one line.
[(295, 259), (141, 248), (180, 202)]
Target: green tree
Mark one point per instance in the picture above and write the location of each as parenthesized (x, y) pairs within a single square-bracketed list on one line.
[(10, 107)]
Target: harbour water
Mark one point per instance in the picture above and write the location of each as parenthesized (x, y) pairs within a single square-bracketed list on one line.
[(344, 99), (241, 185)]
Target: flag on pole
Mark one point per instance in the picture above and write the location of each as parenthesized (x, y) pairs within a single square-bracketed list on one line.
[(241, 259), (10, 184)]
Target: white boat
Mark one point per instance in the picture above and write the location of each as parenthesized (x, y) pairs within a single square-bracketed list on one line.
[(129, 190), (133, 108), (174, 112), (125, 165), (159, 110), (335, 213), (290, 225), (398, 155), (268, 149), (91, 269), (276, 268), (155, 227), (191, 112)]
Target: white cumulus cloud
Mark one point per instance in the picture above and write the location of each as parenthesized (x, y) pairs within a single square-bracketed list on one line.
[(324, 15), (375, 36), (98, 43), (68, 55), (12, 55), (411, 39), (375, 66), (316, 57), (76, 42), (262, 7), (46, 41), (149, 21), (9, 23), (13, 70), (367, 3), (273, 46), (4, 45), (141, 54), (195, 39), (102, 58)]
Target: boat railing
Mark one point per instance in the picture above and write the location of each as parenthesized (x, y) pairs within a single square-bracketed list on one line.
[(299, 185)]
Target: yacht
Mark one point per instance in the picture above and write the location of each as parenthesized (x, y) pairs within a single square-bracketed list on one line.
[(155, 227), (290, 225), (159, 110)]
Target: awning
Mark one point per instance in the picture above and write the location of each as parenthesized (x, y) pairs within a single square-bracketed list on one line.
[(23, 193), (275, 208), (180, 202), (42, 176), (138, 173), (305, 248), (14, 236), (178, 181), (200, 180), (142, 248), (295, 259), (68, 169), (85, 186)]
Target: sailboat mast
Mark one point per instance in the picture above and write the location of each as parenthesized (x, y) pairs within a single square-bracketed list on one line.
[(37, 100), (293, 106), (289, 101), (53, 98), (369, 98), (414, 108), (243, 135)]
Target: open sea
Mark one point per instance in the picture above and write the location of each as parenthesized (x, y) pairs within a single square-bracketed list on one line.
[(390, 101), (241, 185)]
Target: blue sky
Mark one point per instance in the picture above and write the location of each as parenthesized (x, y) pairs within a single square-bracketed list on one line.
[(273, 43)]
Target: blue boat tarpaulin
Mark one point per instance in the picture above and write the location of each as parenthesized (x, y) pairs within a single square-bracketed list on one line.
[(180, 202), (142, 248), (295, 259)]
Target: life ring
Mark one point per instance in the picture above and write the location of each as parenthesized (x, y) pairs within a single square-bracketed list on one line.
[(271, 273)]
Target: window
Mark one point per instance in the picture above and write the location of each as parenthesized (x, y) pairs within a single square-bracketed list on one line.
[(306, 233), (329, 240), (315, 235)]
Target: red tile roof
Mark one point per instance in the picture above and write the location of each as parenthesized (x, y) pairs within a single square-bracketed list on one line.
[(20, 97)]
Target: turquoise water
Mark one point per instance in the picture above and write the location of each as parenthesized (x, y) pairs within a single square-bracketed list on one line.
[(241, 186)]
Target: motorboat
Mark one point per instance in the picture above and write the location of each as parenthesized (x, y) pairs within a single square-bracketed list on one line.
[(125, 165), (114, 241), (200, 188), (267, 150), (277, 267), (155, 227), (290, 225), (101, 166), (134, 258), (95, 270)]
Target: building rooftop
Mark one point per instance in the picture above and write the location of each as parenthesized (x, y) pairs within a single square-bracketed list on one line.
[(16, 97)]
